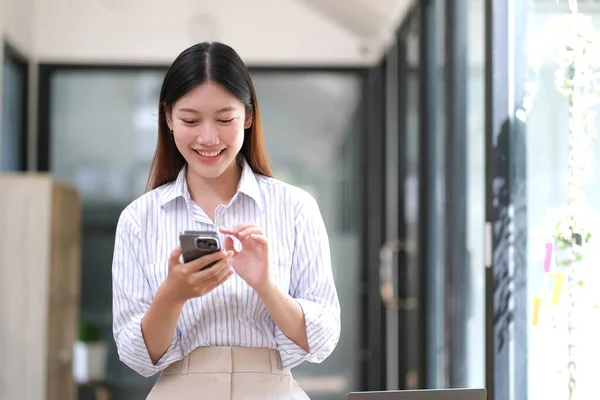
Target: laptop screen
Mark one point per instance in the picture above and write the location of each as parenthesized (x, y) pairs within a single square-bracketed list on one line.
[(432, 394)]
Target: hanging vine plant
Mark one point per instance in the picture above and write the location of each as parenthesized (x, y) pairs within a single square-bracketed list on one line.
[(577, 79)]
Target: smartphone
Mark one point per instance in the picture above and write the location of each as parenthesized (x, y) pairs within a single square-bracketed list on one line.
[(195, 244)]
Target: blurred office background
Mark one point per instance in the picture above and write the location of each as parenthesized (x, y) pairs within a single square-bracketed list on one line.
[(430, 132)]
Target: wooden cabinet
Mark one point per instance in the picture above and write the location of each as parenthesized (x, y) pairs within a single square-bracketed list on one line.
[(40, 253)]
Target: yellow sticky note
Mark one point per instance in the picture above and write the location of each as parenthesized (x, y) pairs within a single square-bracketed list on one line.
[(537, 302), (559, 280)]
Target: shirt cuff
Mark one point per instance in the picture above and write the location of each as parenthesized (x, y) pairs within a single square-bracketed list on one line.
[(322, 332), (134, 353)]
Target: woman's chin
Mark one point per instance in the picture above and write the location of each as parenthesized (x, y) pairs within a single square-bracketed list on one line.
[(211, 170)]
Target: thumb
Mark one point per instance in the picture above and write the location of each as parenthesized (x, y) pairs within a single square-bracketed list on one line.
[(174, 257), (229, 246)]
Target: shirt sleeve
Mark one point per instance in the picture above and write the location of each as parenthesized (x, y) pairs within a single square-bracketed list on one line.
[(131, 299), (313, 287)]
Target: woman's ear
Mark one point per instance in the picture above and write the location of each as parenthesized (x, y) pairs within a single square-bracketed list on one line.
[(169, 118), (248, 121)]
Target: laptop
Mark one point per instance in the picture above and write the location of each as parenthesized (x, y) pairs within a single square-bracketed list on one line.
[(428, 394)]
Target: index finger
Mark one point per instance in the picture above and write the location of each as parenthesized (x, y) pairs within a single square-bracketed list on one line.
[(236, 229)]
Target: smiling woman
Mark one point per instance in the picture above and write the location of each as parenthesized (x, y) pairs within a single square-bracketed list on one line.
[(199, 101), (208, 128), (232, 323)]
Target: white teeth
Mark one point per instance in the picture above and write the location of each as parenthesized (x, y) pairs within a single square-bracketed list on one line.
[(209, 153)]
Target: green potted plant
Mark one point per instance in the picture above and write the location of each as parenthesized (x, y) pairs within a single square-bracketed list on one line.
[(89, 355)]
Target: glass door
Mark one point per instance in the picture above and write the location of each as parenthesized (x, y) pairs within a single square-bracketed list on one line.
[(400, 273), (320, 153), (393, 245)]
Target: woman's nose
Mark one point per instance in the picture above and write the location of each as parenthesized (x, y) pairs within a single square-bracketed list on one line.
[(208, 135)]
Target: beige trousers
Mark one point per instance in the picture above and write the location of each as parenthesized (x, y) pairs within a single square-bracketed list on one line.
[(227, 373)]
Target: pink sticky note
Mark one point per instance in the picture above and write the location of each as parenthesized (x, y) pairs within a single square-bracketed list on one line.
[(548, 257)]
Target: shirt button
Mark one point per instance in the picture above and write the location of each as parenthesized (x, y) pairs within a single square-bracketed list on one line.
[(219, 301), (222, 330)]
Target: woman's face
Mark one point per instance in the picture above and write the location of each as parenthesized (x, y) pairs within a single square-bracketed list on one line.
[(208, 127)]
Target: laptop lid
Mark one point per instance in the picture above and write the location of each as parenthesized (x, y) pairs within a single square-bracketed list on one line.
[(429, 394)]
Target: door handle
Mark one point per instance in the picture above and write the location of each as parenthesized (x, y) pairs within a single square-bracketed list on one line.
[(387, 284)]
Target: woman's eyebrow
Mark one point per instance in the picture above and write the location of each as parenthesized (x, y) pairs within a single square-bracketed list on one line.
[(184, 109), (191, 110), (225, 109)]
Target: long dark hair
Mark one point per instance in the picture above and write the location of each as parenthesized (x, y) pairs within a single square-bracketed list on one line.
[(215, 62)]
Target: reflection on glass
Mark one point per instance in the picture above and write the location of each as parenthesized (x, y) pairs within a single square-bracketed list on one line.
[(552, 121), (103, 131)]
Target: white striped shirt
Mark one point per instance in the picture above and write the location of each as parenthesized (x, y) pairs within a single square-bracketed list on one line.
[(232, 314)]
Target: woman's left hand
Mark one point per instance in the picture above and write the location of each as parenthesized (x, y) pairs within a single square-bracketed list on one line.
[(251, 263)]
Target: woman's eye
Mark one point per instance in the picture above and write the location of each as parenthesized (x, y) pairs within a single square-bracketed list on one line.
[(188, 122), (226, 121)]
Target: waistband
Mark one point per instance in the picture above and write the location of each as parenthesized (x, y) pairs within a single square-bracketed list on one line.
[(214, 360)]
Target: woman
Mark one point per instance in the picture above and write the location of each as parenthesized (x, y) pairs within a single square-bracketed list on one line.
[(234, 330)]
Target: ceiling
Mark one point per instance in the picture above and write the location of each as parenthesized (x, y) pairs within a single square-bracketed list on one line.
[(264, 32), (375, 22)]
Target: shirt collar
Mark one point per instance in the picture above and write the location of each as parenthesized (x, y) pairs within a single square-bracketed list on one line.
[(248, 186)]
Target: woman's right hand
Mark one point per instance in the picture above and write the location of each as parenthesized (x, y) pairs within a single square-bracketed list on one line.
[(189, 280)]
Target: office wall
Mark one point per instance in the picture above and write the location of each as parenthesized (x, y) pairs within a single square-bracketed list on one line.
[(16, 18), (264, 32)]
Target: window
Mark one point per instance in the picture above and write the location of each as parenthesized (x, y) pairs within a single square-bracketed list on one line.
[(557, 146)]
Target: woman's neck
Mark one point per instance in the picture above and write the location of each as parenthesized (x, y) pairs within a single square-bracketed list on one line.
[(209, 193)]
